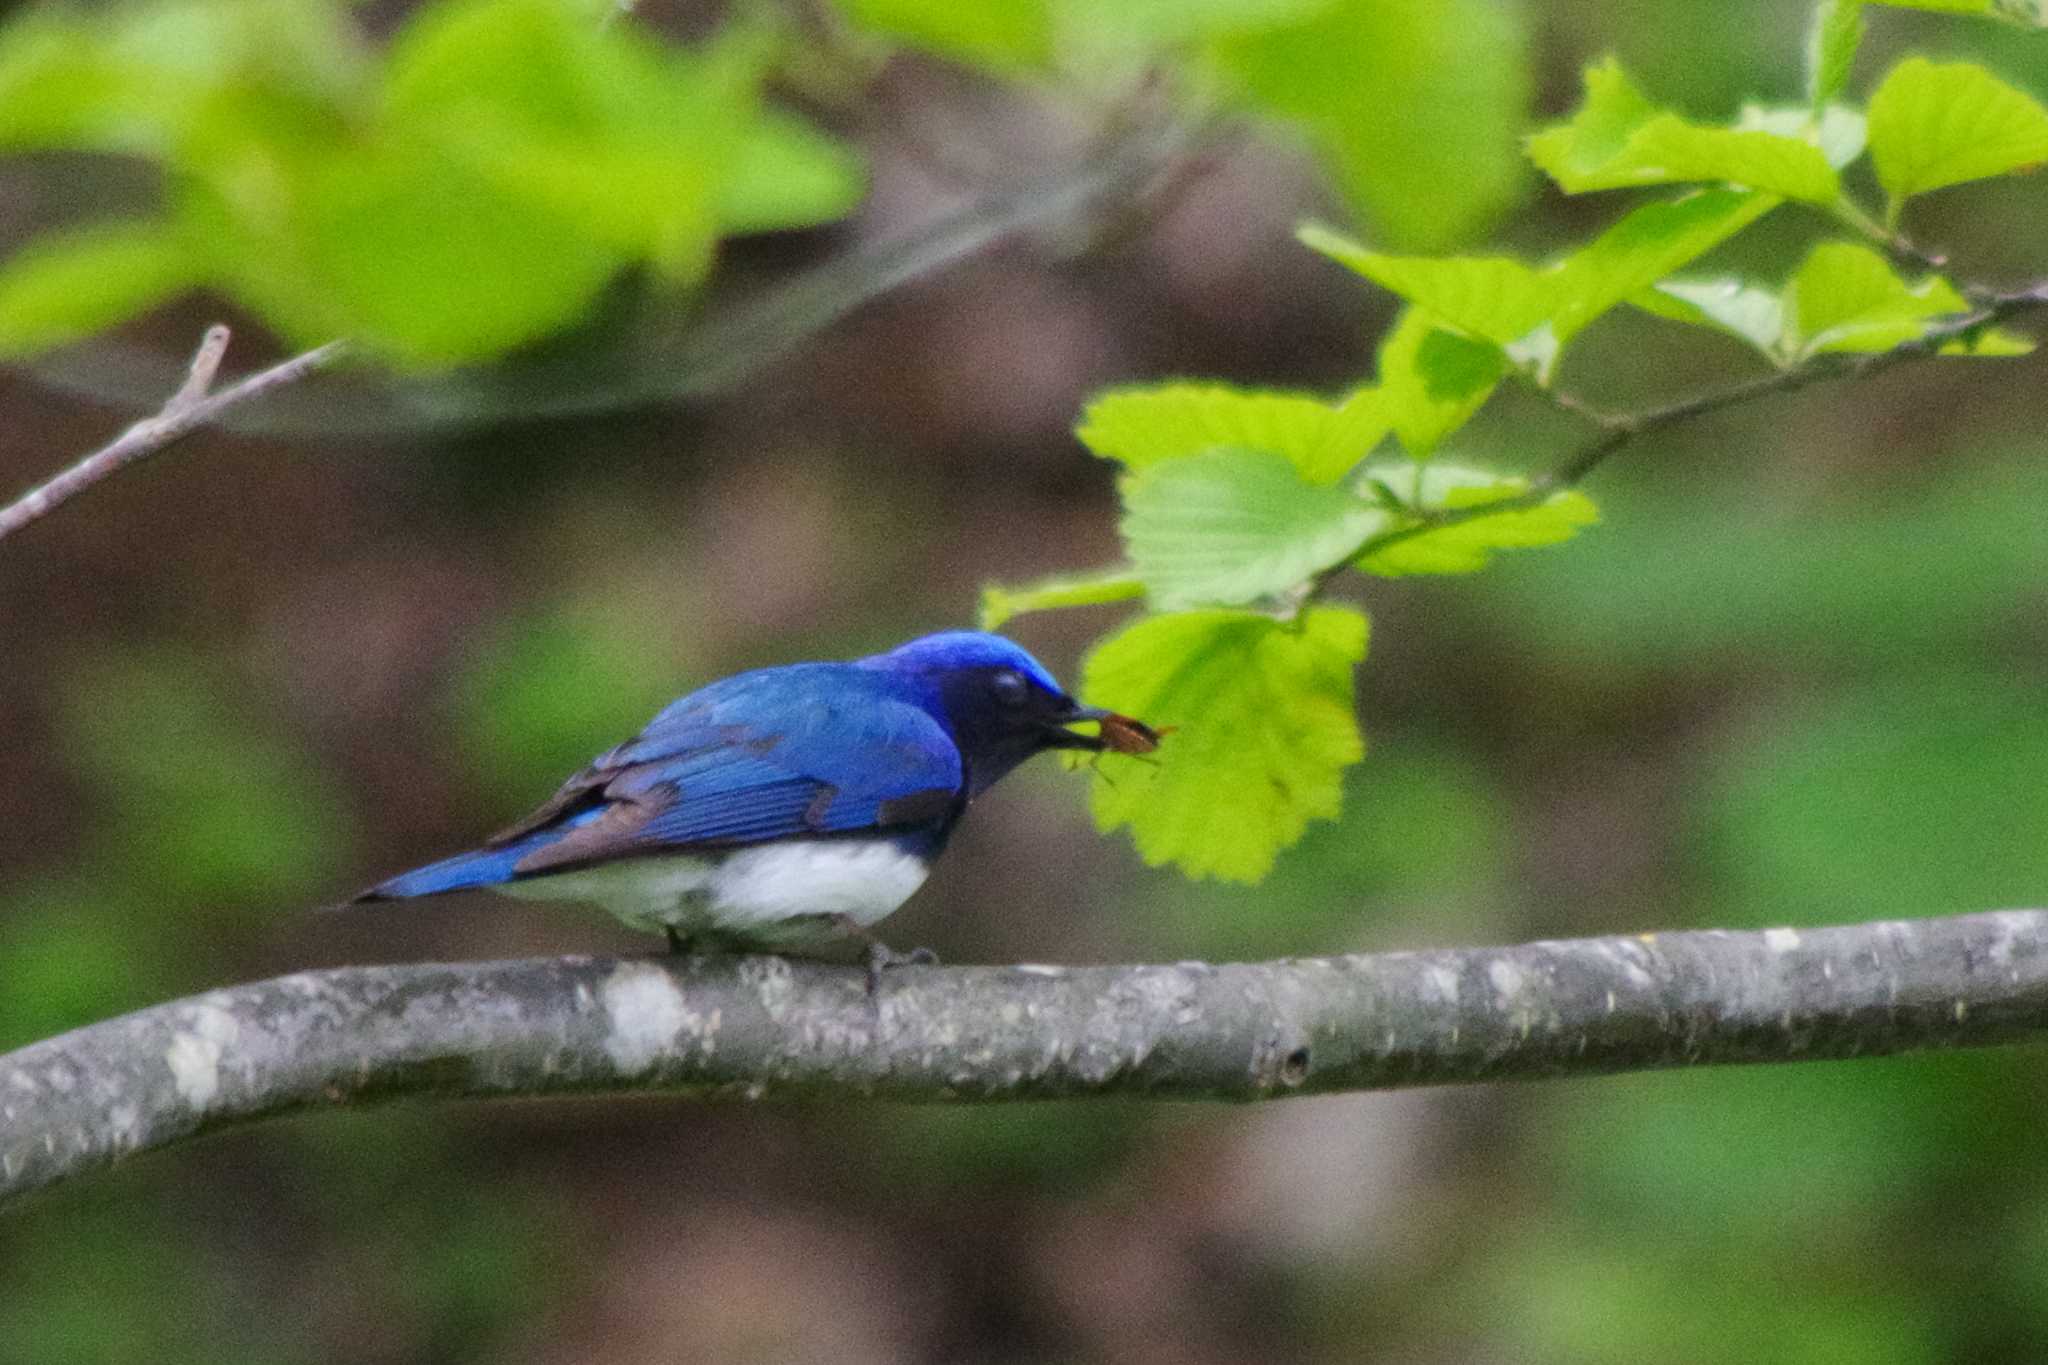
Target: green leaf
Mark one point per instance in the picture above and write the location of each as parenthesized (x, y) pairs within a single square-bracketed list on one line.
[(61, 88), (787, 174), (437, 265), (1235, 526), (1468, 546), (1153, 25), (1533, 313), (1748, 312), (1839, 131), (1005, 36), (1995, 343), (1142, 426), (2028, 12), (1432, 380), (1619, 138), (1494, 298), (68, 285), (1390, 93), (1831, 43), (1843, 297), (1846, 297), (602, 127), (1262, 722), (1644, 247), (1934, 124), (999, 604)]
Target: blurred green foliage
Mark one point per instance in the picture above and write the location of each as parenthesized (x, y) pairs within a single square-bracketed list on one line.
[(477, 182), (468, 187), (550, 691)]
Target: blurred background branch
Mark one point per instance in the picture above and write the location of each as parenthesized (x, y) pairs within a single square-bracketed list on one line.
[(752, 1026)]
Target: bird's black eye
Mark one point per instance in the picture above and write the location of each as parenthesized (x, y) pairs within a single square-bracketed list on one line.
[(1009, 686)]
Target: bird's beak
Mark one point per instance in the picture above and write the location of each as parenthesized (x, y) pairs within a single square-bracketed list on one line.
[(1058, 736), (1118, 733)]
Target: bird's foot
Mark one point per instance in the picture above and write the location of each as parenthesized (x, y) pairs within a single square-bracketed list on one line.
[(881, 957), (677, 944)]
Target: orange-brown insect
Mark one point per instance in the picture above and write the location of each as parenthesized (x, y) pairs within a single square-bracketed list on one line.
[(1128, 735)]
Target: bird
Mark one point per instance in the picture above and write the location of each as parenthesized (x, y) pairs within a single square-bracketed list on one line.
[(783, 808)]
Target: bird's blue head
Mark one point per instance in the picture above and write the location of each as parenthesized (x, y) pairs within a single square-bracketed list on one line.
[(1000, 705)]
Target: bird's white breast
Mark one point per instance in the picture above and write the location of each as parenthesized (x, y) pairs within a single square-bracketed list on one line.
[(766, 893)]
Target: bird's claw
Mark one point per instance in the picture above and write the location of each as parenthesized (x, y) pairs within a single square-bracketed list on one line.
[(881, 957)]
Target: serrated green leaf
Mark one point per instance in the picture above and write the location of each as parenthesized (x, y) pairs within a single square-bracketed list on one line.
[(1831, 43), (1236, 526), (999, 604), (1934, 124), (1748, 312), (1005, 36), (1262, 728), (1619, 138), (1468, 546), (1432, 380), (1845, 297), (68, 285), (1390, 92), (1141, 426)]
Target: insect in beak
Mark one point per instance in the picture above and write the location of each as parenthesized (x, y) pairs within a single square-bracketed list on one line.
[(1119, 734)]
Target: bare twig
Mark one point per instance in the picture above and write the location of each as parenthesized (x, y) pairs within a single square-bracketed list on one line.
[(185, 412), (754, 1026)]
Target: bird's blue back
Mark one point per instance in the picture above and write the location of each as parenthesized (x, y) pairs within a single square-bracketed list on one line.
[(804, 749)]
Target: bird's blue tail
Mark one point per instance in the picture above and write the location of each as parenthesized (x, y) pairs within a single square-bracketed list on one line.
[(478, 867)]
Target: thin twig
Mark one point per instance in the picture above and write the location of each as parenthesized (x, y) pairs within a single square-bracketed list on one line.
[(1620, 429), (185, 412), (1617, 430)]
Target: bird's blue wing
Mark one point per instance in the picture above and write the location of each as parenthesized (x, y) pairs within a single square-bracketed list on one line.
[(809, 749)]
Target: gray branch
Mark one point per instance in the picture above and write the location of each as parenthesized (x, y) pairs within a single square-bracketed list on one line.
[(754, 1026), (192, 407)]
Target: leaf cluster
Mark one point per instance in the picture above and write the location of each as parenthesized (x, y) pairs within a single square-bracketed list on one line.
[(1240, 508)]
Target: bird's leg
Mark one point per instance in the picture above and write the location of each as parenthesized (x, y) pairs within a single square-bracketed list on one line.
[(881, 956), (677, 944)]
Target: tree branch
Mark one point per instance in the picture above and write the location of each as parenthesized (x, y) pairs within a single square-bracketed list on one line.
[(1618, 429), (183, 413), (750, 1026)]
